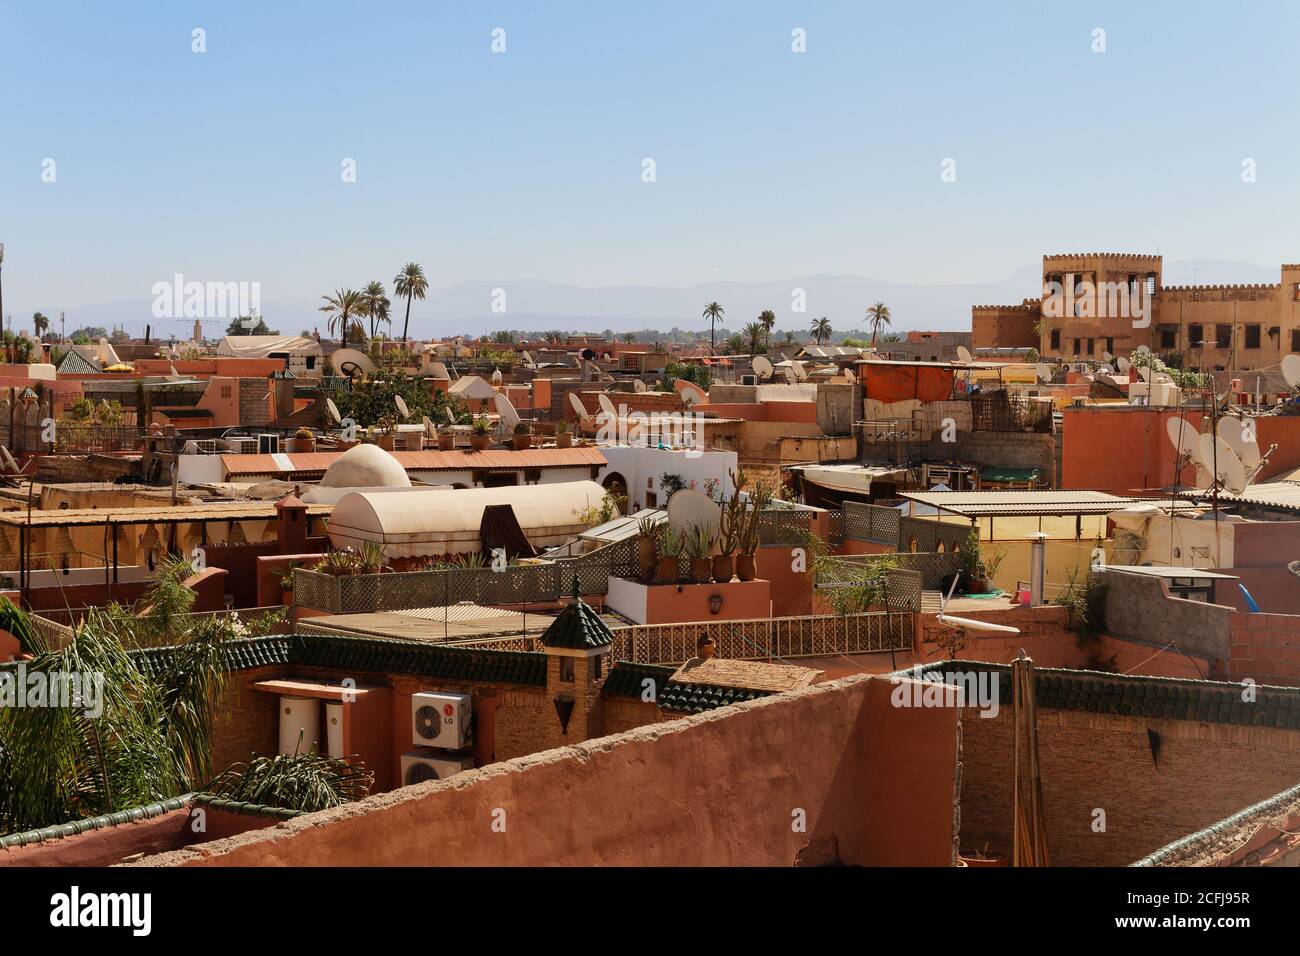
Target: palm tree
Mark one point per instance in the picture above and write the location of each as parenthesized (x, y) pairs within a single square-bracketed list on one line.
[(767, 319), (377, 306), (410, 282), (789, 337), (152, 736), (734, 344), (342, 309), (877, 317), (712, 312), (821, 329), (753, 333), (40, 323)]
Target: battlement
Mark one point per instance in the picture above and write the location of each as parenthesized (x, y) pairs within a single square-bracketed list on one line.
[(1026, 304), (1260, 286), (1123, 256)]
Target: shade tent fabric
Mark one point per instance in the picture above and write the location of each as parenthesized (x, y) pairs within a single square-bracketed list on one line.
[(499, 528), (263, 346), (422, 522), (896, 383)]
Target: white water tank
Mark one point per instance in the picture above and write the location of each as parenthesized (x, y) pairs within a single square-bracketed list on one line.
[(334, 728), (299, 724)]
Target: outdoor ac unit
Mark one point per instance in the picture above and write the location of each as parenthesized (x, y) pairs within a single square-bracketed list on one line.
[(421, 765), (440, 720), (202, 446), (268, 444), (242, 446), (749, 380)]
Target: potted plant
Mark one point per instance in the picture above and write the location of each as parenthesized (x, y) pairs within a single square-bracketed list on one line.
[(645, 547), (523, 437), (285, 575), (446, 438), (302, 442), (563, 437), (730, 524), (699, 542), (670, 552), (747, 561), (973, 572), (481, 436), (387, 439)]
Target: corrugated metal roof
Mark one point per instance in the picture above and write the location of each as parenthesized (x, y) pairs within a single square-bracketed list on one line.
[(984, 504), (422, 460), (1273, 494), (180, 514)]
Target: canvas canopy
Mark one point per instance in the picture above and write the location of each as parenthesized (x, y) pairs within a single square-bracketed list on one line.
[(264, 346), (421, 522)]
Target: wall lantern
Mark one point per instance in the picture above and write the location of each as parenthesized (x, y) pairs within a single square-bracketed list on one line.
[(715, 603)]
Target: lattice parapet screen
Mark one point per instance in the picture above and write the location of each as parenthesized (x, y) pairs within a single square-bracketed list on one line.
[(926, 535), (874, 523)]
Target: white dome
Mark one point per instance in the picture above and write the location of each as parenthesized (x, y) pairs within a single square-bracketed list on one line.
[(365, 466)]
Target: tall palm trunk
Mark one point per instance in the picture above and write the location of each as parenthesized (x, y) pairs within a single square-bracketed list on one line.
[(406, 323)]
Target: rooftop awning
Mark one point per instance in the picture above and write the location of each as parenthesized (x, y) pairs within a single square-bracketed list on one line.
[(990, 504)]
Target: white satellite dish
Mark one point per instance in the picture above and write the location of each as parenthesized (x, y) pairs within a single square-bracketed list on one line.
[(1044, 372), (350, 362), (1122, 364), (800, 372), (9, 460), (526, 358), (1235, 431), (1145, 372), (968, 623), (1291, 369), (429, 428), (333, 410), (1105, 367), (1185, 438), (509, 417), (1141, 350), (688, 508), (1107, 357), (963, 355), (1218, 454), (762, 367), (1233, 474), (638, 385), (439, 371), (690, 393), (606, 405), (790, 377), (576, 404), (401, 406)]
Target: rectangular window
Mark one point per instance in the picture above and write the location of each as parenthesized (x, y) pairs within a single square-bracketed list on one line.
[(1110, 345), (1056, 340), (1252, 336), (1092, 346), (1077, 343), (1168, 339), (566, 669), (1195, 335), (1223, 336), (1295, 340)]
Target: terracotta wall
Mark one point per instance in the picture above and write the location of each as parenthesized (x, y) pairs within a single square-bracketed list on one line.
[(829, 773), (1264, 648), (1204, 772)]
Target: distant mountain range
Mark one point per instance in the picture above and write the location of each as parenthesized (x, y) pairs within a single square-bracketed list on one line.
[(539, 305)]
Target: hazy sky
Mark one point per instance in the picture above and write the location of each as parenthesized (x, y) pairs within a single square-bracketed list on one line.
[(226, 165)]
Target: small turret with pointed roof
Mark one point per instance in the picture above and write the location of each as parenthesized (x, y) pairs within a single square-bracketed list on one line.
[(578, 627)]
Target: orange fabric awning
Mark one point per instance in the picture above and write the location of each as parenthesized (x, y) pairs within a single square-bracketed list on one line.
[(897, 383)]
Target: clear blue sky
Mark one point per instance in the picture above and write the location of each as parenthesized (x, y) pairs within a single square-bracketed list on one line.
[(770, 164)]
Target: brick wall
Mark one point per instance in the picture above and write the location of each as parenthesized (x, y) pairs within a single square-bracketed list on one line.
[(1205, 773), (254, 407), (1264, 648)]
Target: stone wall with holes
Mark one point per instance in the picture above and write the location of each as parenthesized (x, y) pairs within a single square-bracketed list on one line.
[(1202, 773)]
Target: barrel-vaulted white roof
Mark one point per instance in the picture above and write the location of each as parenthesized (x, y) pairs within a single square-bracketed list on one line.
[(433, 521), (365, 466)]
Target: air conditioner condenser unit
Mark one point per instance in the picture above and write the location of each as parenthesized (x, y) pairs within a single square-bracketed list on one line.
[(440, 720), (421, 765)]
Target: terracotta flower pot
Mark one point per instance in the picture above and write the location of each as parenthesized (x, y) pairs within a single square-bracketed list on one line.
[(724, 568), (646, 556), (700, 568), (479, 442), (301, 446), (343, 444), (746, 567), (446, 442), (523, 441), (564, 439), (414, 441), (667, 571), (386, 442)]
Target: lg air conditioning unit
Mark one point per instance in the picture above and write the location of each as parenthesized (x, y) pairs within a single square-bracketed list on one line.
[(440, 720), (268, 444), (421, 765)]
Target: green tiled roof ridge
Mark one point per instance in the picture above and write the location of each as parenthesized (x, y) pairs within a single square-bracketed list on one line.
[(61, 831), (243, 807), (1206, 837), (577, 627)]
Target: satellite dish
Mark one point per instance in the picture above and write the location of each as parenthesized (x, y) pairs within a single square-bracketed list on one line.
[(1185, 438), (790, 377), (1235, 431), (1145, 372), (762, 367), (1291, 369), (688, 508), (1230, 472), (401, 406), (1141, 350), (638, 385), (496, 376), (963, 354), (587, 355), (606, 405), (800, 372), (576, 404), (9, 460), (526, 358), (509, 417), (690, 393), (1107, 357), (429, 427), (350, 362), (1044, 372), (1233, 474), (1122, 364), (1105, 367), (439, 371), (333, 410)]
